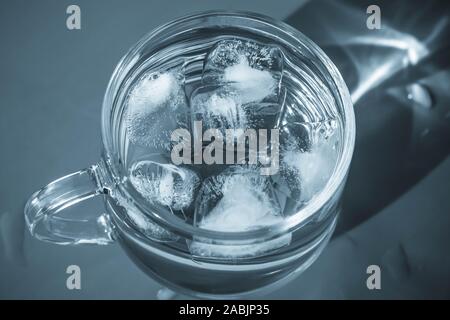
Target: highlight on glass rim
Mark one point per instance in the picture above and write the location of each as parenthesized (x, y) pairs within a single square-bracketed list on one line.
[(251, 152)]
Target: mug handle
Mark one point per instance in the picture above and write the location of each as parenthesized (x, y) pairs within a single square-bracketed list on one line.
[(43, 211)]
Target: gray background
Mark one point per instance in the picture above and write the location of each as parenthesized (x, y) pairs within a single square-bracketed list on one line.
[(51, 90)]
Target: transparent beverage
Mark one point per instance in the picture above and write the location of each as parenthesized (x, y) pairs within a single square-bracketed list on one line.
[(231, 83), (227, 140)]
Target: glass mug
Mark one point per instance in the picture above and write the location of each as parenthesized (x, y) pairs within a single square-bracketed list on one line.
[(164, 253)]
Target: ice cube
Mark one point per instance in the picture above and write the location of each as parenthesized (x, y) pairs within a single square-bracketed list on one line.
[(144, 223), (241, 87), (150, 228), (307, 164), (210, 250), (218, 108), (254, 70), (155, 107), (164, 184), (239, 199)]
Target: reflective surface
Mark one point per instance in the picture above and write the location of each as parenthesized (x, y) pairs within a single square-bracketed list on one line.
[(398, 77), (257, 257), (414, 223)]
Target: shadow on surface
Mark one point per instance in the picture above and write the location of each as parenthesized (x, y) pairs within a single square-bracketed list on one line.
[(398, 141)]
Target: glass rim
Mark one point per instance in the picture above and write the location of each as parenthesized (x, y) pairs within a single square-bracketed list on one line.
[(289, 223)]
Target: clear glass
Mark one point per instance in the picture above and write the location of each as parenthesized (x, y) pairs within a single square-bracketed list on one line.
[(164, 252)]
